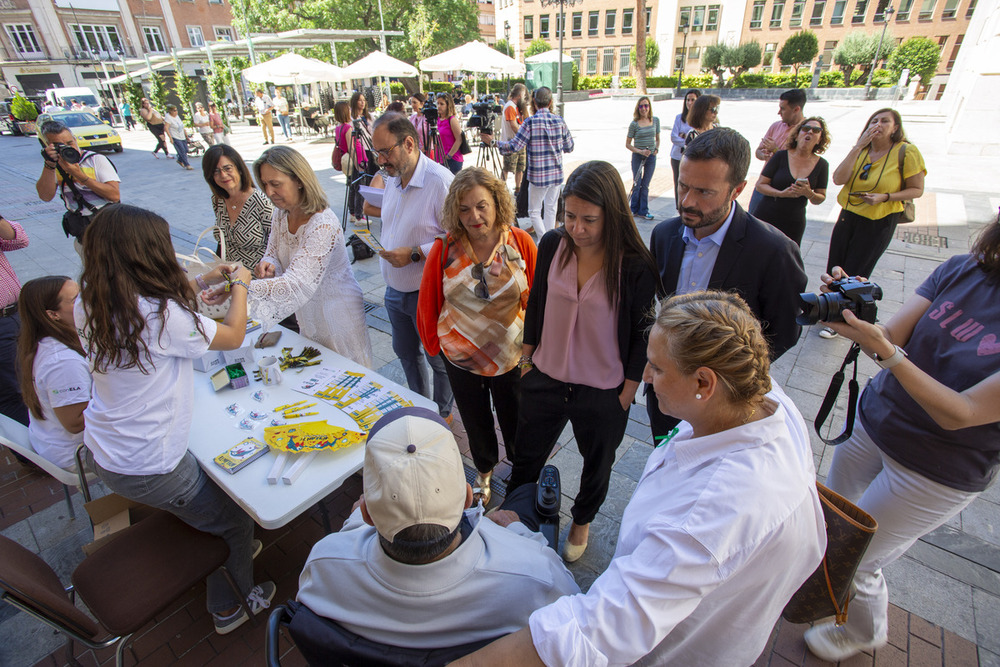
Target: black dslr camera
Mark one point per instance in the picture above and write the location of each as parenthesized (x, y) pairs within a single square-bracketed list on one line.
[(850, 294), (66, 152), (430, 110), (484, 114)]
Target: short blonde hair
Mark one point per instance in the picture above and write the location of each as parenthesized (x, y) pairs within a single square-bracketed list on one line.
[(290, 162), (464, 181), (717, 330)]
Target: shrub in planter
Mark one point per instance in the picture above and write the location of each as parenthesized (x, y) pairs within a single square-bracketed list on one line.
[(23, 109), (883, 78), (831, 80)]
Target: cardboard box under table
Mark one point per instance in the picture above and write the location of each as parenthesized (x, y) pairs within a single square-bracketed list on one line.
[(213, 431)]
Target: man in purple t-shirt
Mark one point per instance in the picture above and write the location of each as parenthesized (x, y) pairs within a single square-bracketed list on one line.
[(790, 105)]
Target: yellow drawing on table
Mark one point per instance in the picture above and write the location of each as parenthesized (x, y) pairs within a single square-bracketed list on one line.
[(340, 388), (310, 436)]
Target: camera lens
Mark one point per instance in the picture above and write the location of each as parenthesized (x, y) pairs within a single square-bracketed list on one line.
[(820, 308)]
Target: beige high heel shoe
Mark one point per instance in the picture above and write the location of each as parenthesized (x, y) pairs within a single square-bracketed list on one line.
[(482, 488)]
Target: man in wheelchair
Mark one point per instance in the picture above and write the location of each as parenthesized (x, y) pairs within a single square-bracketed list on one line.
[(416, 565)]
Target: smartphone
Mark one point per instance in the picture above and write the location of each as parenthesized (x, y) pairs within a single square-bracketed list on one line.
[(267, 339), (801, 180)]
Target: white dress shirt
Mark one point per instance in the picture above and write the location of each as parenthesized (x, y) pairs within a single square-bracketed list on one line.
[(411, 216), (719, 534)]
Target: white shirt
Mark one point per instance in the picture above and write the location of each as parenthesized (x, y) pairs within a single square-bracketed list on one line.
[(198, 119), (99, 168), (263, 104), (281, 105), (138, 423), (175, 127), (411, 216), (62, 378), (719, 534)]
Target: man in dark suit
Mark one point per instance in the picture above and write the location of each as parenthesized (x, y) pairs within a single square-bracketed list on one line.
[(715, 244)]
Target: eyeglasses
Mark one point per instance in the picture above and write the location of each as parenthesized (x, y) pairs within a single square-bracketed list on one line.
[(864, 171), (228, 170), (714, 110), (643, 106), (385, 152), (811, 128), (479, 274)]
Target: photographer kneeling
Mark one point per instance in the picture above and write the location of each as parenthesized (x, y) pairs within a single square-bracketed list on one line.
[(86, 181), (926, 443)]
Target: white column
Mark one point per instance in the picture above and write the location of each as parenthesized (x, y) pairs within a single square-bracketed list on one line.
[(130, 29), (55, 37), (168, 18)]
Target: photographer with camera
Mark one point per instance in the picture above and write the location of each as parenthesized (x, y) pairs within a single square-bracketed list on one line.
[(926, 441), (86, 181)]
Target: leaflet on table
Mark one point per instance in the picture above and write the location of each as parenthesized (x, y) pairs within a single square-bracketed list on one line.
[(329, 384), (366, 411)]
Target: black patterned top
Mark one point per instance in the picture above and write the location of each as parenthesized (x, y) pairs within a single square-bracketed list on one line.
[(246, 238)]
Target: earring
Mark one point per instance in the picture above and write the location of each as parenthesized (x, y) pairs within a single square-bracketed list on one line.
[(698, 396)]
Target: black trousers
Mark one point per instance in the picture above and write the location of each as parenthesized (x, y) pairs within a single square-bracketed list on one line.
[(598, 425), (857, 242), (11, 403), (675, 165), (473, 397)]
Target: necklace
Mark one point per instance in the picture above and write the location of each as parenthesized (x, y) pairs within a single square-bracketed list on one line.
[(749, 416)]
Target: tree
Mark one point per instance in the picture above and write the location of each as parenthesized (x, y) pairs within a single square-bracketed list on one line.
[(421, 37), (720, 58), (799, 49), (23, 109), (858, 48), (133, 94), (504, 47), (537, 46), (157, 92), (185, 87), (652, 54), (920, 55), (218, 83), (712, 60), (640, 47)]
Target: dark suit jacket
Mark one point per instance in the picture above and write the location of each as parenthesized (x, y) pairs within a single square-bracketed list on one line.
[(756, 261)]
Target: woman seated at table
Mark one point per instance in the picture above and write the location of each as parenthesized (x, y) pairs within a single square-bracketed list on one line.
[(584, 344), (471, 308), (54, 376), (724, 525), (242, 212), (305, 269), (140, 331)]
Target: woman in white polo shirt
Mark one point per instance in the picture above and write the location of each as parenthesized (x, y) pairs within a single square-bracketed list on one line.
[(141, 334)]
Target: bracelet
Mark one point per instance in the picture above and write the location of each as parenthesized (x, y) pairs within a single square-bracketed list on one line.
[(525, 362), (238, 282), (200, 281), (50, 166)]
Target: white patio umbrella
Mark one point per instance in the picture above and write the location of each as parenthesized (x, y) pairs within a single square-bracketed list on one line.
[(376, 64), (473, 57), (293, 69), (550, 56)]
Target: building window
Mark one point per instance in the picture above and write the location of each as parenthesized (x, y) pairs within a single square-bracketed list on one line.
[(972, 8), (859, 11), (757, 14), (685, 18), (215, 2), (798, 7), (225, 33), (543, 26), (97, 39), (828, 49), (694, 53), (927, 10), (560, 24), (649, 16), (578, 24), (817, 15), (627, 21), (23, 37), (698, 20), (609, 22), (575, 55), (194, 35), (767, 59), (624, 60), (954, 52), (839, 6), (950, 9), (776, 11), (529, 26), (608, 66), (678, 59), (593, 23), (904, 10), (713, 19), (154, 39), (591, 62)]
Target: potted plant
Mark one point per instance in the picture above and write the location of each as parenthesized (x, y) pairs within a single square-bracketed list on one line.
[(25, 112)]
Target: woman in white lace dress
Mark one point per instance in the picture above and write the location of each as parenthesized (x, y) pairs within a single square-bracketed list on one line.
[(305, 269)]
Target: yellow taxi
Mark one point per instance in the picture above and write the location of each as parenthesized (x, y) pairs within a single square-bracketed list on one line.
[(90, 132)]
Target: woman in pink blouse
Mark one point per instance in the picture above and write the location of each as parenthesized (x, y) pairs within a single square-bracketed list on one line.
[(471, 308), (584, 346)]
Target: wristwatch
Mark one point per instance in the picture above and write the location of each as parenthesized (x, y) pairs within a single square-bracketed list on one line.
[(892, 360), (415, 254)]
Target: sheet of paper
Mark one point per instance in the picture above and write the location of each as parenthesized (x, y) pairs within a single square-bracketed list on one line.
[(372, 195)]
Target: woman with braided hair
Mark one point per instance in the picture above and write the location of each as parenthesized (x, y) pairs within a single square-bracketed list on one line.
[(724, 525)]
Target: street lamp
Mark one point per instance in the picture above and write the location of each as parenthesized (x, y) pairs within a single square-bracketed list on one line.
[(878, 50), (561, 22), (680, 75), (510, 50)]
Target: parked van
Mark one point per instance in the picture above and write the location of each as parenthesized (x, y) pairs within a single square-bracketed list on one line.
[(62, 96)]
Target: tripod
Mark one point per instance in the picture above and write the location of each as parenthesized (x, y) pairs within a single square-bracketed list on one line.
[(489, 157), (356, 176)]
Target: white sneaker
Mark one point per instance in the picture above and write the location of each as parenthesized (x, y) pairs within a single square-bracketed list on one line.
[(832, 644), (258, 600), (827, 332)]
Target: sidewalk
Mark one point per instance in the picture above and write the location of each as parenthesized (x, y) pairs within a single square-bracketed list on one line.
[(945, 592)]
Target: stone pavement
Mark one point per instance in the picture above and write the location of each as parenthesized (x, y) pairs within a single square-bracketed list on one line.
[(945, 591)]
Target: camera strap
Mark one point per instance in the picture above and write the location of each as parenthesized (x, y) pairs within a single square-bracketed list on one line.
[(81, 203), (831, 399)]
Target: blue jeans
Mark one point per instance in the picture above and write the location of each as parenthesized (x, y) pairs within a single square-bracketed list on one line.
[(181, 146), (285, 125), (11, 403), (454, 166), (640, 191), (188, 493), (402, 309), (755, 200)]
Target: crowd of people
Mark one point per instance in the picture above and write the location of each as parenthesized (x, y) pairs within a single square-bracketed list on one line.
[(725, 523)]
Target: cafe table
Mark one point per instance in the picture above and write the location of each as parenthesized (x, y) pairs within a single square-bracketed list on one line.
[(214, 430)]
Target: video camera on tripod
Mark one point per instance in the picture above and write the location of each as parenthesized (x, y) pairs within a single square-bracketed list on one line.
[(430, 110), (484, 114)]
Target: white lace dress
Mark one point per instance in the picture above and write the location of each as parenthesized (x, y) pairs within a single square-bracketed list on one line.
[(313, 279)]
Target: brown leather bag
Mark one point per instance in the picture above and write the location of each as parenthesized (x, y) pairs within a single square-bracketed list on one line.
[(827, 592), (909, 213)]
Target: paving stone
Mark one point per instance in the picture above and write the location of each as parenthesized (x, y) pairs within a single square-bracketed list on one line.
[(932, 596), (955, 541), (982, 520), (955, 566), (988, 658), (987, 609), (633, 462), (959, 652)]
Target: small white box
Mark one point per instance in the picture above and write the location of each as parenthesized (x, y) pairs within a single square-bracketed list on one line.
[(243, 355), (209, 361)]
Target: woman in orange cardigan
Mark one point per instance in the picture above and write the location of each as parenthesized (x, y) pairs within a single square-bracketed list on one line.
[(471, 308)]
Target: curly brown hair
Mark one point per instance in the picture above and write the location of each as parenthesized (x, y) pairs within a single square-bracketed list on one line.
[(464, 181), (717, 330), (129, 256), (824, 136)]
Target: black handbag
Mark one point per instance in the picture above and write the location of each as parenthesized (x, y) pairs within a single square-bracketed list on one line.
[(828, 591), (464, 147)]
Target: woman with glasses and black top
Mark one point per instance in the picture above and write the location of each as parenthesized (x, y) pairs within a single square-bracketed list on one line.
[(793, 177), (704, 116), (473, 296), (873, 195), (242, 212)]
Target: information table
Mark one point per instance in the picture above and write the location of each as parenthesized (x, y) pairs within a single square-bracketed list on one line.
[(213, 431)]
